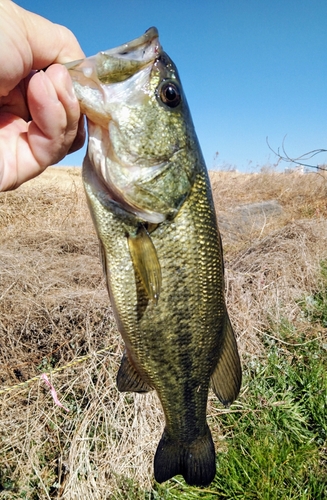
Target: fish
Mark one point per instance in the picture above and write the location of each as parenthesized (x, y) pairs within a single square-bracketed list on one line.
[(150, 199)]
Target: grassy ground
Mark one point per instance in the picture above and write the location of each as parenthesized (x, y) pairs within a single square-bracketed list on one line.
[(54, 311)]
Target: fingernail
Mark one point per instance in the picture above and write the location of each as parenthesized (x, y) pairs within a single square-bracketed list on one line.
[(69, 87), (47, 86)]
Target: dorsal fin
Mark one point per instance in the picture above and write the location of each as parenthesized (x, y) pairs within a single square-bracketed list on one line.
[(227, 377)]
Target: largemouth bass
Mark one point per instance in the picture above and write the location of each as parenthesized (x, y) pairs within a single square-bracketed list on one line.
[(149, 195)]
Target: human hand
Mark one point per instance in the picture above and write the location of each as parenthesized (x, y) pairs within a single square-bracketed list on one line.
[(40, 119)]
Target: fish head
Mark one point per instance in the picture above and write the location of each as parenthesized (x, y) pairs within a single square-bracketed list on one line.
[(142, 145)]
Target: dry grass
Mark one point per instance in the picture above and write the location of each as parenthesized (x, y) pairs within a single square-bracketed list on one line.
[(54, 309)]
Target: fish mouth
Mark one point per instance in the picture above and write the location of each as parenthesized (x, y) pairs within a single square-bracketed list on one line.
[(132, 49), (117, 64)]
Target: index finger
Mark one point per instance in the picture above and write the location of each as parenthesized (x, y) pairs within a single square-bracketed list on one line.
[(50, 43), (32, 42)]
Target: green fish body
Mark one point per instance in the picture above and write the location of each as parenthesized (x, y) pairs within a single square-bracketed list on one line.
[(150, 199)]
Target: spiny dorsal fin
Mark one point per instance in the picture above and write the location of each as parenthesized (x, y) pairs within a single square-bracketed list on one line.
[(227, 377), (128, 379), (145, 260)]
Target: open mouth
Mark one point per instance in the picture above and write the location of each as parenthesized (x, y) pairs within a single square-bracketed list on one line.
[(118, 64)]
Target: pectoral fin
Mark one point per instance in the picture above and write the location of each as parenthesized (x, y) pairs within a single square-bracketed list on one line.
[(227, 377), (128, 379), (146, 263)]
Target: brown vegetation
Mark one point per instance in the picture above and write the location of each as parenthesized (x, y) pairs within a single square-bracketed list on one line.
[(54, 312)]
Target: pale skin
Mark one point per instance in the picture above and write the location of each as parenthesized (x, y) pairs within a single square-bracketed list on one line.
[(40, 120)]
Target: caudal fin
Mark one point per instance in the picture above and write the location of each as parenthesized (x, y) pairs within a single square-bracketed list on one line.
[(195, 461)]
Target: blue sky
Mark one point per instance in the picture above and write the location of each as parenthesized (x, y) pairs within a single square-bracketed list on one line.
[(250, 69)]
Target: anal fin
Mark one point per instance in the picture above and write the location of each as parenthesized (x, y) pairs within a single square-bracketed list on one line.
[(146, 263), (227, 377), (128, 379)]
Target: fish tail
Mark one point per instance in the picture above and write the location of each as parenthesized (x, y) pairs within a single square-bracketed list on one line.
[(195, 461)]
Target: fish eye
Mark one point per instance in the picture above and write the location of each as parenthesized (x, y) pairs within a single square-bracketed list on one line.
[(169, 94)]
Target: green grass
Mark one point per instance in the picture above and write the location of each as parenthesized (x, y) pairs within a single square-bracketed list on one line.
[(276, 435), (276, 447)]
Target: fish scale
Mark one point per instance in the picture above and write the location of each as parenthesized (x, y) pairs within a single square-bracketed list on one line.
[(161, 250)]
